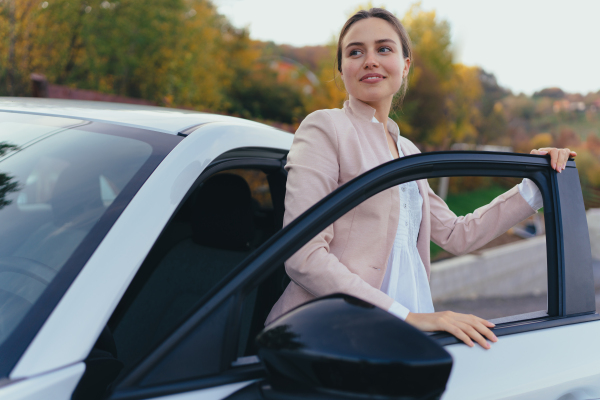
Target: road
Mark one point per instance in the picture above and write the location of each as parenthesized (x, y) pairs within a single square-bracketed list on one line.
[(502, 307)]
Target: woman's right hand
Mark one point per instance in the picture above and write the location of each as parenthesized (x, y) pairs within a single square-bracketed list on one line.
[(464, 326)]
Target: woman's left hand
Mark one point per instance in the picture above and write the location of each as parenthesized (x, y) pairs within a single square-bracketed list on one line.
[(558, 157)]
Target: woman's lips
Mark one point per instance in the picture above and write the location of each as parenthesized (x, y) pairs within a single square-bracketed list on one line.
[(372, 78)]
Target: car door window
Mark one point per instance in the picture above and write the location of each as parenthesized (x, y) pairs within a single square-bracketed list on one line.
[(503, 278), (506, 277), (222, 221)]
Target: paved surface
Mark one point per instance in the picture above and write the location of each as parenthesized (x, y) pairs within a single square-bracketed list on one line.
[(502, 307)]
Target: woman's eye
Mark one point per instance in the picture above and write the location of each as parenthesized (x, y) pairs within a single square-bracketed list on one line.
[(354, 52), (385, 50)]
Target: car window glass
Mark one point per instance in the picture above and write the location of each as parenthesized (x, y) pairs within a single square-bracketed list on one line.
[(226, 217), (50, 199), (504, 277)]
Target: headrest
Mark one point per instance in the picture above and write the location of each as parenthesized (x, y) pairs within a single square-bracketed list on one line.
[(76, 197), (222, 214)]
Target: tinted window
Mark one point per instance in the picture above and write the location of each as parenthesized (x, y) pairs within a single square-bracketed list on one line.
[(228, 216), (57, 179)]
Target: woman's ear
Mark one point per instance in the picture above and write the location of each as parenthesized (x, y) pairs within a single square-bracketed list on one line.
[(406, 67)]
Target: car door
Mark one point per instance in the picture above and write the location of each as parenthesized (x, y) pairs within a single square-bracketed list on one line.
[(551, 355)]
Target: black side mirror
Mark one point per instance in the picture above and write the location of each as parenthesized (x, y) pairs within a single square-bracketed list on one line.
[(341, 347)]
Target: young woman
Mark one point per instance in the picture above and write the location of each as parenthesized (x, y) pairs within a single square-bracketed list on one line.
[(379, 251)]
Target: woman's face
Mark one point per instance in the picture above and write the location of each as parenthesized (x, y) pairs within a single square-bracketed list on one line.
[(373, 65)]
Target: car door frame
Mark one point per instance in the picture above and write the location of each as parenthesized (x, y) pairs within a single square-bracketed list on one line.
[(570, 283)]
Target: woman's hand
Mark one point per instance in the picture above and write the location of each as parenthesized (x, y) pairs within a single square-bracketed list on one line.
[(465, 327), (558, 157)]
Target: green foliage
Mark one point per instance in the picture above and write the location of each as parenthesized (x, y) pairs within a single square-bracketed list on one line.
[(7, 184), (444, 100), (466, 202)]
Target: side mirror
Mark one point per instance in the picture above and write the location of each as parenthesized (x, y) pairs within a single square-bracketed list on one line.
[(342, 347)]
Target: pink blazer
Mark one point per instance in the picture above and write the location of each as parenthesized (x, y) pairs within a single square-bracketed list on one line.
[(330, 148)]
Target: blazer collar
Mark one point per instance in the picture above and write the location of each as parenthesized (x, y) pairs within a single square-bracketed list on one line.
[(365, 112), (360, 109)]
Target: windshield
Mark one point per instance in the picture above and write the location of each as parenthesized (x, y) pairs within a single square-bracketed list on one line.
[(58, 178)]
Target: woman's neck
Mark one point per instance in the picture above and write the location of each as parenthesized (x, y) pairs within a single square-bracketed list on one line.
[(382, 109)]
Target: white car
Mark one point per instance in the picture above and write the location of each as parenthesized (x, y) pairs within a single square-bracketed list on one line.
[(141, 249)]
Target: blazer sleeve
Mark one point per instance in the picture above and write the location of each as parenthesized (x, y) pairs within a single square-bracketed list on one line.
[(313, 172), (460, 235)]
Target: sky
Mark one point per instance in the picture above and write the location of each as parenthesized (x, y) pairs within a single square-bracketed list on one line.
[(527, 44)]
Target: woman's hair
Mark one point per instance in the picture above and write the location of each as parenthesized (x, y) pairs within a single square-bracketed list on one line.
[(392, 20)]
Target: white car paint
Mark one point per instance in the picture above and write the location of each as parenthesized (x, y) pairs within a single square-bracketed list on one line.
[(214, 393), (168, 120), (547, 364), (54, 385), (73, 327)]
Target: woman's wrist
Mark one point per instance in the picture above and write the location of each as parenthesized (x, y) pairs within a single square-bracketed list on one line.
[(399, 310)]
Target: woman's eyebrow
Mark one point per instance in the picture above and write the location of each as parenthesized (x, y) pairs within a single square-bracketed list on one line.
[(362, 44), (355, 44)]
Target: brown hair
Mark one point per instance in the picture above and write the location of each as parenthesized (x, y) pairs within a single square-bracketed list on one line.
[(396, 24)]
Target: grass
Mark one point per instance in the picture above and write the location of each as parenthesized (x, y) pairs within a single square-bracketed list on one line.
[(467, 202)]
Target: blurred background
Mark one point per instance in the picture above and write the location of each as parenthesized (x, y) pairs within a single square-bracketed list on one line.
[(500, 76)]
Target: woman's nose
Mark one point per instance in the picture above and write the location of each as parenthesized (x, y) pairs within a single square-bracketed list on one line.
[(370, 61)]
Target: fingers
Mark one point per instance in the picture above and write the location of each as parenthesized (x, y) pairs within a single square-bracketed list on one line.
[(558, 157), (554, 159), (539, 152), (473, 334), (563, 157), (469, 328), (480, 325), (457, 332)]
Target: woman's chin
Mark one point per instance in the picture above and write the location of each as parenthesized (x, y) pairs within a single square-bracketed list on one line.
[(373, 96)]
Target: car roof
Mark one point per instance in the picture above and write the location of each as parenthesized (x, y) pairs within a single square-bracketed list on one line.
[(162, 119)]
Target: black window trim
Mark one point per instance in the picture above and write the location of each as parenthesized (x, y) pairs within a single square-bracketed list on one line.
[(284, 243)]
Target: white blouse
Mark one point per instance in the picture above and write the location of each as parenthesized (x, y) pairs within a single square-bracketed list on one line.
[(405, 278)]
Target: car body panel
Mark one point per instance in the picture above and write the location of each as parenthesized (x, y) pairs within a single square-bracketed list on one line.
[(214, 393), (113, 265), (55, 385), (538, 365), (161, 119)]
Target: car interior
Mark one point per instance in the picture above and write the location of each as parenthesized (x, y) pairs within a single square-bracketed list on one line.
[(230, 214)]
